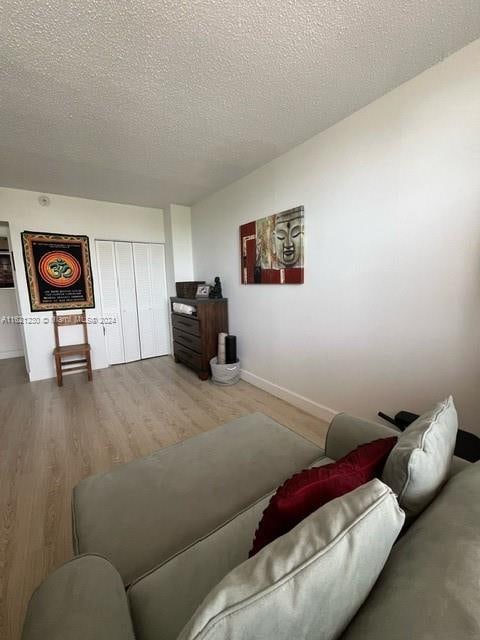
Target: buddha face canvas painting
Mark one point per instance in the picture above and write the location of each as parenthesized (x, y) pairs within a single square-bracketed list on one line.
[(272, 249)]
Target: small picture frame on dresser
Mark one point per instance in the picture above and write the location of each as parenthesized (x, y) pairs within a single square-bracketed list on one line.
[(203, 291)]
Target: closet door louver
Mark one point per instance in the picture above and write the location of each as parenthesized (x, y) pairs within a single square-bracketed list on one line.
[(128, 300), (110, 301)]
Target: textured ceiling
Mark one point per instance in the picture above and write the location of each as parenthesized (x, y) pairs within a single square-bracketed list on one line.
[(158, 101)]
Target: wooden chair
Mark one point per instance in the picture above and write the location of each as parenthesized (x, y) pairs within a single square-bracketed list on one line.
[(82, 349)]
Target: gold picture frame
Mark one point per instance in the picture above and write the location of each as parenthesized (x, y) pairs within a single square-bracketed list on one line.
[(58, 271)]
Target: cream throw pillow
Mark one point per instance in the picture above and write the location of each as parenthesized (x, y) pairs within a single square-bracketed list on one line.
[(418, 465), (310, 582)]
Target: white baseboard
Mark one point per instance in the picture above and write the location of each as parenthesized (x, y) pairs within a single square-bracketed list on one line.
[(307, 405), (11, 354)]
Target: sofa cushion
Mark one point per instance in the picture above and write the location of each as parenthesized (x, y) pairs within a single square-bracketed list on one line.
[(310, 582), (429, 588), (308, 490), (141, 513), (82, 600), (420, 462), (163, 600)]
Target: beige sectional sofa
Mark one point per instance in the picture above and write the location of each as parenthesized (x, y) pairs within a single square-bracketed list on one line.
[(154, 536)]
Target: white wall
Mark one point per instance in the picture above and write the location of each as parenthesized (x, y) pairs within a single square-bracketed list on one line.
[(97, 220), (181, 224), (178, 245), (10, 334), (389, 315)]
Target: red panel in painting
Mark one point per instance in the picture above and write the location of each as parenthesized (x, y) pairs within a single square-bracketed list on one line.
[(248, 247), (274, 276), (294, 276), (248, 229), (270, 276)]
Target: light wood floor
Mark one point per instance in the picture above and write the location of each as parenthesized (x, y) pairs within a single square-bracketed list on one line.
[(51, 438)]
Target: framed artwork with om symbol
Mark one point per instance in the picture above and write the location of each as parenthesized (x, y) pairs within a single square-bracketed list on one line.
[(58, 270)]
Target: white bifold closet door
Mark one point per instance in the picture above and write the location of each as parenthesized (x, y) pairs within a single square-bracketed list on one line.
[(128, 300), (110, 301), (134, 295), (151, 286)]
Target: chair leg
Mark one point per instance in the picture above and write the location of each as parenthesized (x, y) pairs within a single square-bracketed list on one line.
[(89, 367), (58, 366)]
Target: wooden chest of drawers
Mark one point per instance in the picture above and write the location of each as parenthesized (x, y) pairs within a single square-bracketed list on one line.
[(195, 337)]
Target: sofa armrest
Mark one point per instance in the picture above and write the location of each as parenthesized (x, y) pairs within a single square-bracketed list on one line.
[(82, 600), (347, 432)]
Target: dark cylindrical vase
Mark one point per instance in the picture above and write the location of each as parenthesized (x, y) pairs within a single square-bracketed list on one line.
[(230, 349)]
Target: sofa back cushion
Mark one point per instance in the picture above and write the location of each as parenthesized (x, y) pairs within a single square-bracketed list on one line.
[(310, 582), (429, 587), (419, 464)]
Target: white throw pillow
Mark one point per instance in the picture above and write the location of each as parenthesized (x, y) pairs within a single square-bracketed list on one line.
[(418, 465), (310, 582)]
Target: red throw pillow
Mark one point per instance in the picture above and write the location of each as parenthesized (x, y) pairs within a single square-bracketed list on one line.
[(307, 491)]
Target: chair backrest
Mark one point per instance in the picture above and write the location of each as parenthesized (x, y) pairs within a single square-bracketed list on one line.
[(69, 320)]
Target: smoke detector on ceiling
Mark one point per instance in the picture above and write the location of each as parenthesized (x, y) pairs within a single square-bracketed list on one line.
[(44, 201)]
